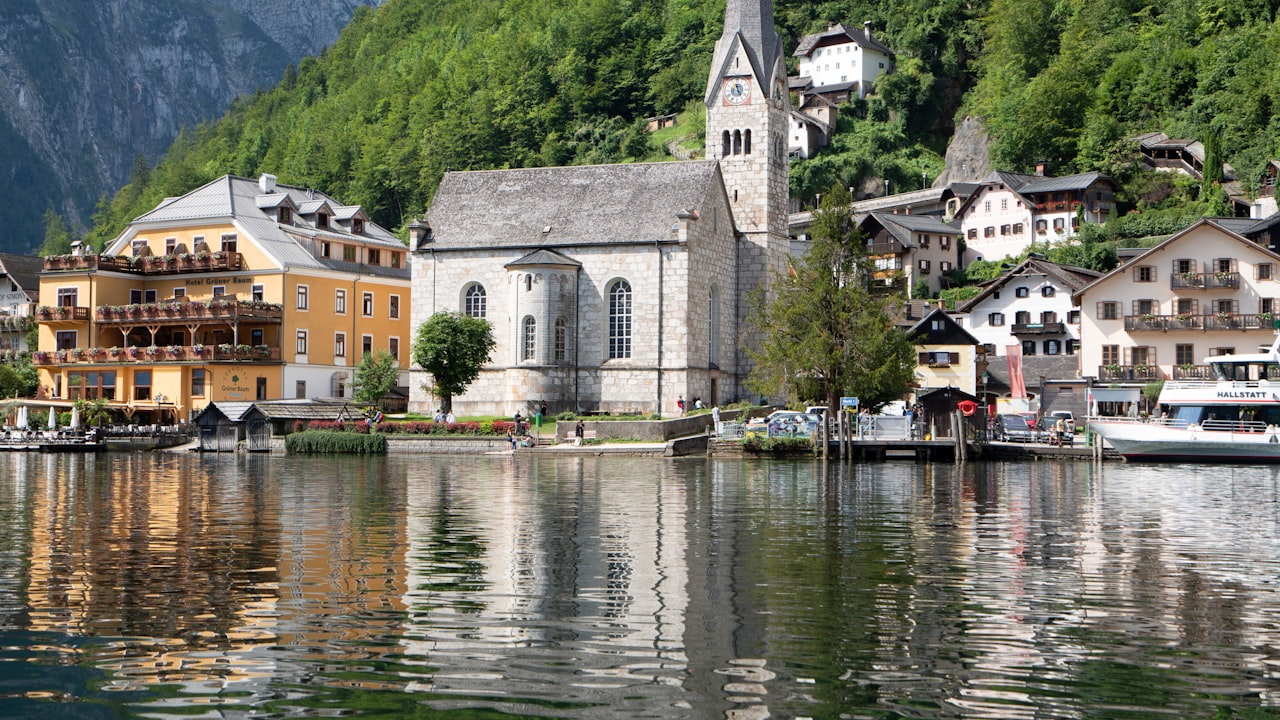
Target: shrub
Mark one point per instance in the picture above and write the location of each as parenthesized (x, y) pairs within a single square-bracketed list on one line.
[(567, 415), (778, 445), (325, 441)]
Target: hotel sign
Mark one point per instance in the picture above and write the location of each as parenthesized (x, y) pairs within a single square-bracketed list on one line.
[(13, 298)]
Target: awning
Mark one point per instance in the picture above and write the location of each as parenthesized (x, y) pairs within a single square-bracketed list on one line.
[(1120, 395)]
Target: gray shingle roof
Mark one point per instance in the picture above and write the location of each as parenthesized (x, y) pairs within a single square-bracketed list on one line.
[(25, 271), (558, 206), (238, 199), (838, 33), (544, 257)]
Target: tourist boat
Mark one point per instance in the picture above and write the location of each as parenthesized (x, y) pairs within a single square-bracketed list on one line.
[(1232, 418)]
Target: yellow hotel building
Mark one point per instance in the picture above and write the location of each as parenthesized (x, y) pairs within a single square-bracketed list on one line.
[(238, 290)]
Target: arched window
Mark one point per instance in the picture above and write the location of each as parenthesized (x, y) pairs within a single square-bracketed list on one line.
[(474, 303), (620, 319), (528, 283), (737, 142), (746, 142), (725, 143), (529, 343), (561, 338)]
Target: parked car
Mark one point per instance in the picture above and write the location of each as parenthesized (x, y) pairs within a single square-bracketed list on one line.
[(784, 423), (1014, 428)]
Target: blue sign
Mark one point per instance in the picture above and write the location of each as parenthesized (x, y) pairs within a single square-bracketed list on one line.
[(848, 402)]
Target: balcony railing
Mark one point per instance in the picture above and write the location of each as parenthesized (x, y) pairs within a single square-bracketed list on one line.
[(16, 323), (1192, 372), (161, 354), (892, 247), (1128, 372), (1206, 280), (1052, 328), (62, 313), (1210, 321), (182, 311), (219, 261)]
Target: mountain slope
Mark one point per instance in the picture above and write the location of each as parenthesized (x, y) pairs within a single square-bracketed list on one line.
[(85, 87)]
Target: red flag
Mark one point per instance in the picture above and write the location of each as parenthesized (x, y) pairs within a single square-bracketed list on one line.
[(1017, 387)]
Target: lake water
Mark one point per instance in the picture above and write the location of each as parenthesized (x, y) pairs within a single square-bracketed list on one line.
[(173, 585)]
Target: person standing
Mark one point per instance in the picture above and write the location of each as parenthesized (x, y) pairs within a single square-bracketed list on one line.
[(680, 404), (578, 431), (516, 421)]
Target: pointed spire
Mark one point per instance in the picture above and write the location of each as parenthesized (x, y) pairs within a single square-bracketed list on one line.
[(752, 22)]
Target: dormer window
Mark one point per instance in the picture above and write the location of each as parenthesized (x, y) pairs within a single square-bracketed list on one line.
[(229, 243), (325, 250), (286, 215), (357, 226), (322, 220), (373, 256)]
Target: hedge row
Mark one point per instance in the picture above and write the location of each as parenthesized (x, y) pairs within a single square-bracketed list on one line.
[(328, 441), (410, 427)]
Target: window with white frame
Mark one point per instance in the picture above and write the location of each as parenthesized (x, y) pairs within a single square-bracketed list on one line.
[(301, 347), (366, 304), (475, 301), (340, 344), (302, 296), (393, 347), (619, 319), (393, 309), (529, 338), (340, 302), (995, 319)]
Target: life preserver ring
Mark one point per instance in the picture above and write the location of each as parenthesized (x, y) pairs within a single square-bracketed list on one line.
[(968, 407)]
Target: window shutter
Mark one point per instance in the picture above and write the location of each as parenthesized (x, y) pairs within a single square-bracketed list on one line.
[(953, 358), (923, 358)]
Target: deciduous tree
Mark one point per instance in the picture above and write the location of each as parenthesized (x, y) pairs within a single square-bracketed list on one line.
[(453, 347), (375, 376)]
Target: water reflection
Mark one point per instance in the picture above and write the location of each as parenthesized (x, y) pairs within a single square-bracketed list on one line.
[(165, 585)]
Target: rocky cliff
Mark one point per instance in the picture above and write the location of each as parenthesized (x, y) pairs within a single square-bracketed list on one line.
[(87, 86)]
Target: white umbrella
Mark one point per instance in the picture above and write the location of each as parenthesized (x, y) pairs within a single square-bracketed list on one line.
[(53, 418), (75, 418), (23, 418)]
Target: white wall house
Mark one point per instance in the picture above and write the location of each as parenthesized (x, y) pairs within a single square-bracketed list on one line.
[(1010, 211), (843, 56), (1205, 291), (1029, 306)]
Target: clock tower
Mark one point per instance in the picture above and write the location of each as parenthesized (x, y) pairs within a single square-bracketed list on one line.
[(748, 110)]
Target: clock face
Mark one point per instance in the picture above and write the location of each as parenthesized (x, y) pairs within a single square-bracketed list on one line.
[(736, 90)]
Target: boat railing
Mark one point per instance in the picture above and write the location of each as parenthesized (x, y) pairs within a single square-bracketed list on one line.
[(1242, 426), (1224, 384)]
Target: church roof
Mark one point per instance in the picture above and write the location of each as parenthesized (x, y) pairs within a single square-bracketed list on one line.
[(542, 258), (559, 206)]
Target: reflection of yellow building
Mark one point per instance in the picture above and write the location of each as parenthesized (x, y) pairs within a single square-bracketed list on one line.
[(235, 291)]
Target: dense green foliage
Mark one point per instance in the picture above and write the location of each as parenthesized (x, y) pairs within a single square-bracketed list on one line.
[(1067, 82), (328, 441), (823, 334)]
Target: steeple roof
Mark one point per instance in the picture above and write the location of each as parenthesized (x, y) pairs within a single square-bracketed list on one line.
[(751, 23)]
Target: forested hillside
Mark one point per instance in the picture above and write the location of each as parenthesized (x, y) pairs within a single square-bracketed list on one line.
[(420, 86)]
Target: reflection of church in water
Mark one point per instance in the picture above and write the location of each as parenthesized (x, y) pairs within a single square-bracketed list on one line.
[(620, 287)]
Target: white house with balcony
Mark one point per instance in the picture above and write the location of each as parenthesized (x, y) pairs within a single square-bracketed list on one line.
[(842, 61), (1010, 211), (1205, 291)]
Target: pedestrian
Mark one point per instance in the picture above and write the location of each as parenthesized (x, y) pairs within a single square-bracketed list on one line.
[(439, 416), (511, 439), (697, 403), (516, 421), (450, 418), (680, 404), (578, 431)]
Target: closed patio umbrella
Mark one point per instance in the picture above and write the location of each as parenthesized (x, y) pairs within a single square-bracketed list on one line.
[(75, 418)]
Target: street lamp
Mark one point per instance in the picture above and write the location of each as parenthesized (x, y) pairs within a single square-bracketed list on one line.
[(985, 377)]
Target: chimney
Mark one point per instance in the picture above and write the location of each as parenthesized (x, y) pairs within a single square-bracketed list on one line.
[(267, 183), (1040, 168), (866, 28), (419, 234)]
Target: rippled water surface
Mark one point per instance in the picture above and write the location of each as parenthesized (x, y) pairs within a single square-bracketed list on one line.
[(224, 587)]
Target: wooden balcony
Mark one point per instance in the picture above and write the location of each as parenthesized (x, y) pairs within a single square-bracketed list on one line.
[(152, 265), (1187, 321), (61, 314), (16, 323), (1205, 281), (885, 248), (181, 312), (1053, 328), (158, 354), (1128, 372), (1192, 372)]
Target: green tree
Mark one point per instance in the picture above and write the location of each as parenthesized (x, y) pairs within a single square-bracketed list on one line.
[(453, 347), (93, 412), (57, 235), (375, 376), (823, 333), (18, 379)]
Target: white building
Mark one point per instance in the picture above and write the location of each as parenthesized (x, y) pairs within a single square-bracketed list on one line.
[(1205, 291), (843, 57), (1010, 211)]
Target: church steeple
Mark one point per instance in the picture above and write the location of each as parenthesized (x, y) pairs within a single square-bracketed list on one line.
[(748, 25)]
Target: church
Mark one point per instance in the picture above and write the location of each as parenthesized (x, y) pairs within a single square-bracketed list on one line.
[(620, 288)]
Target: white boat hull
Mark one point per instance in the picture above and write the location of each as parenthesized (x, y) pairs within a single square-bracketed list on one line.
[(1154, 441)]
